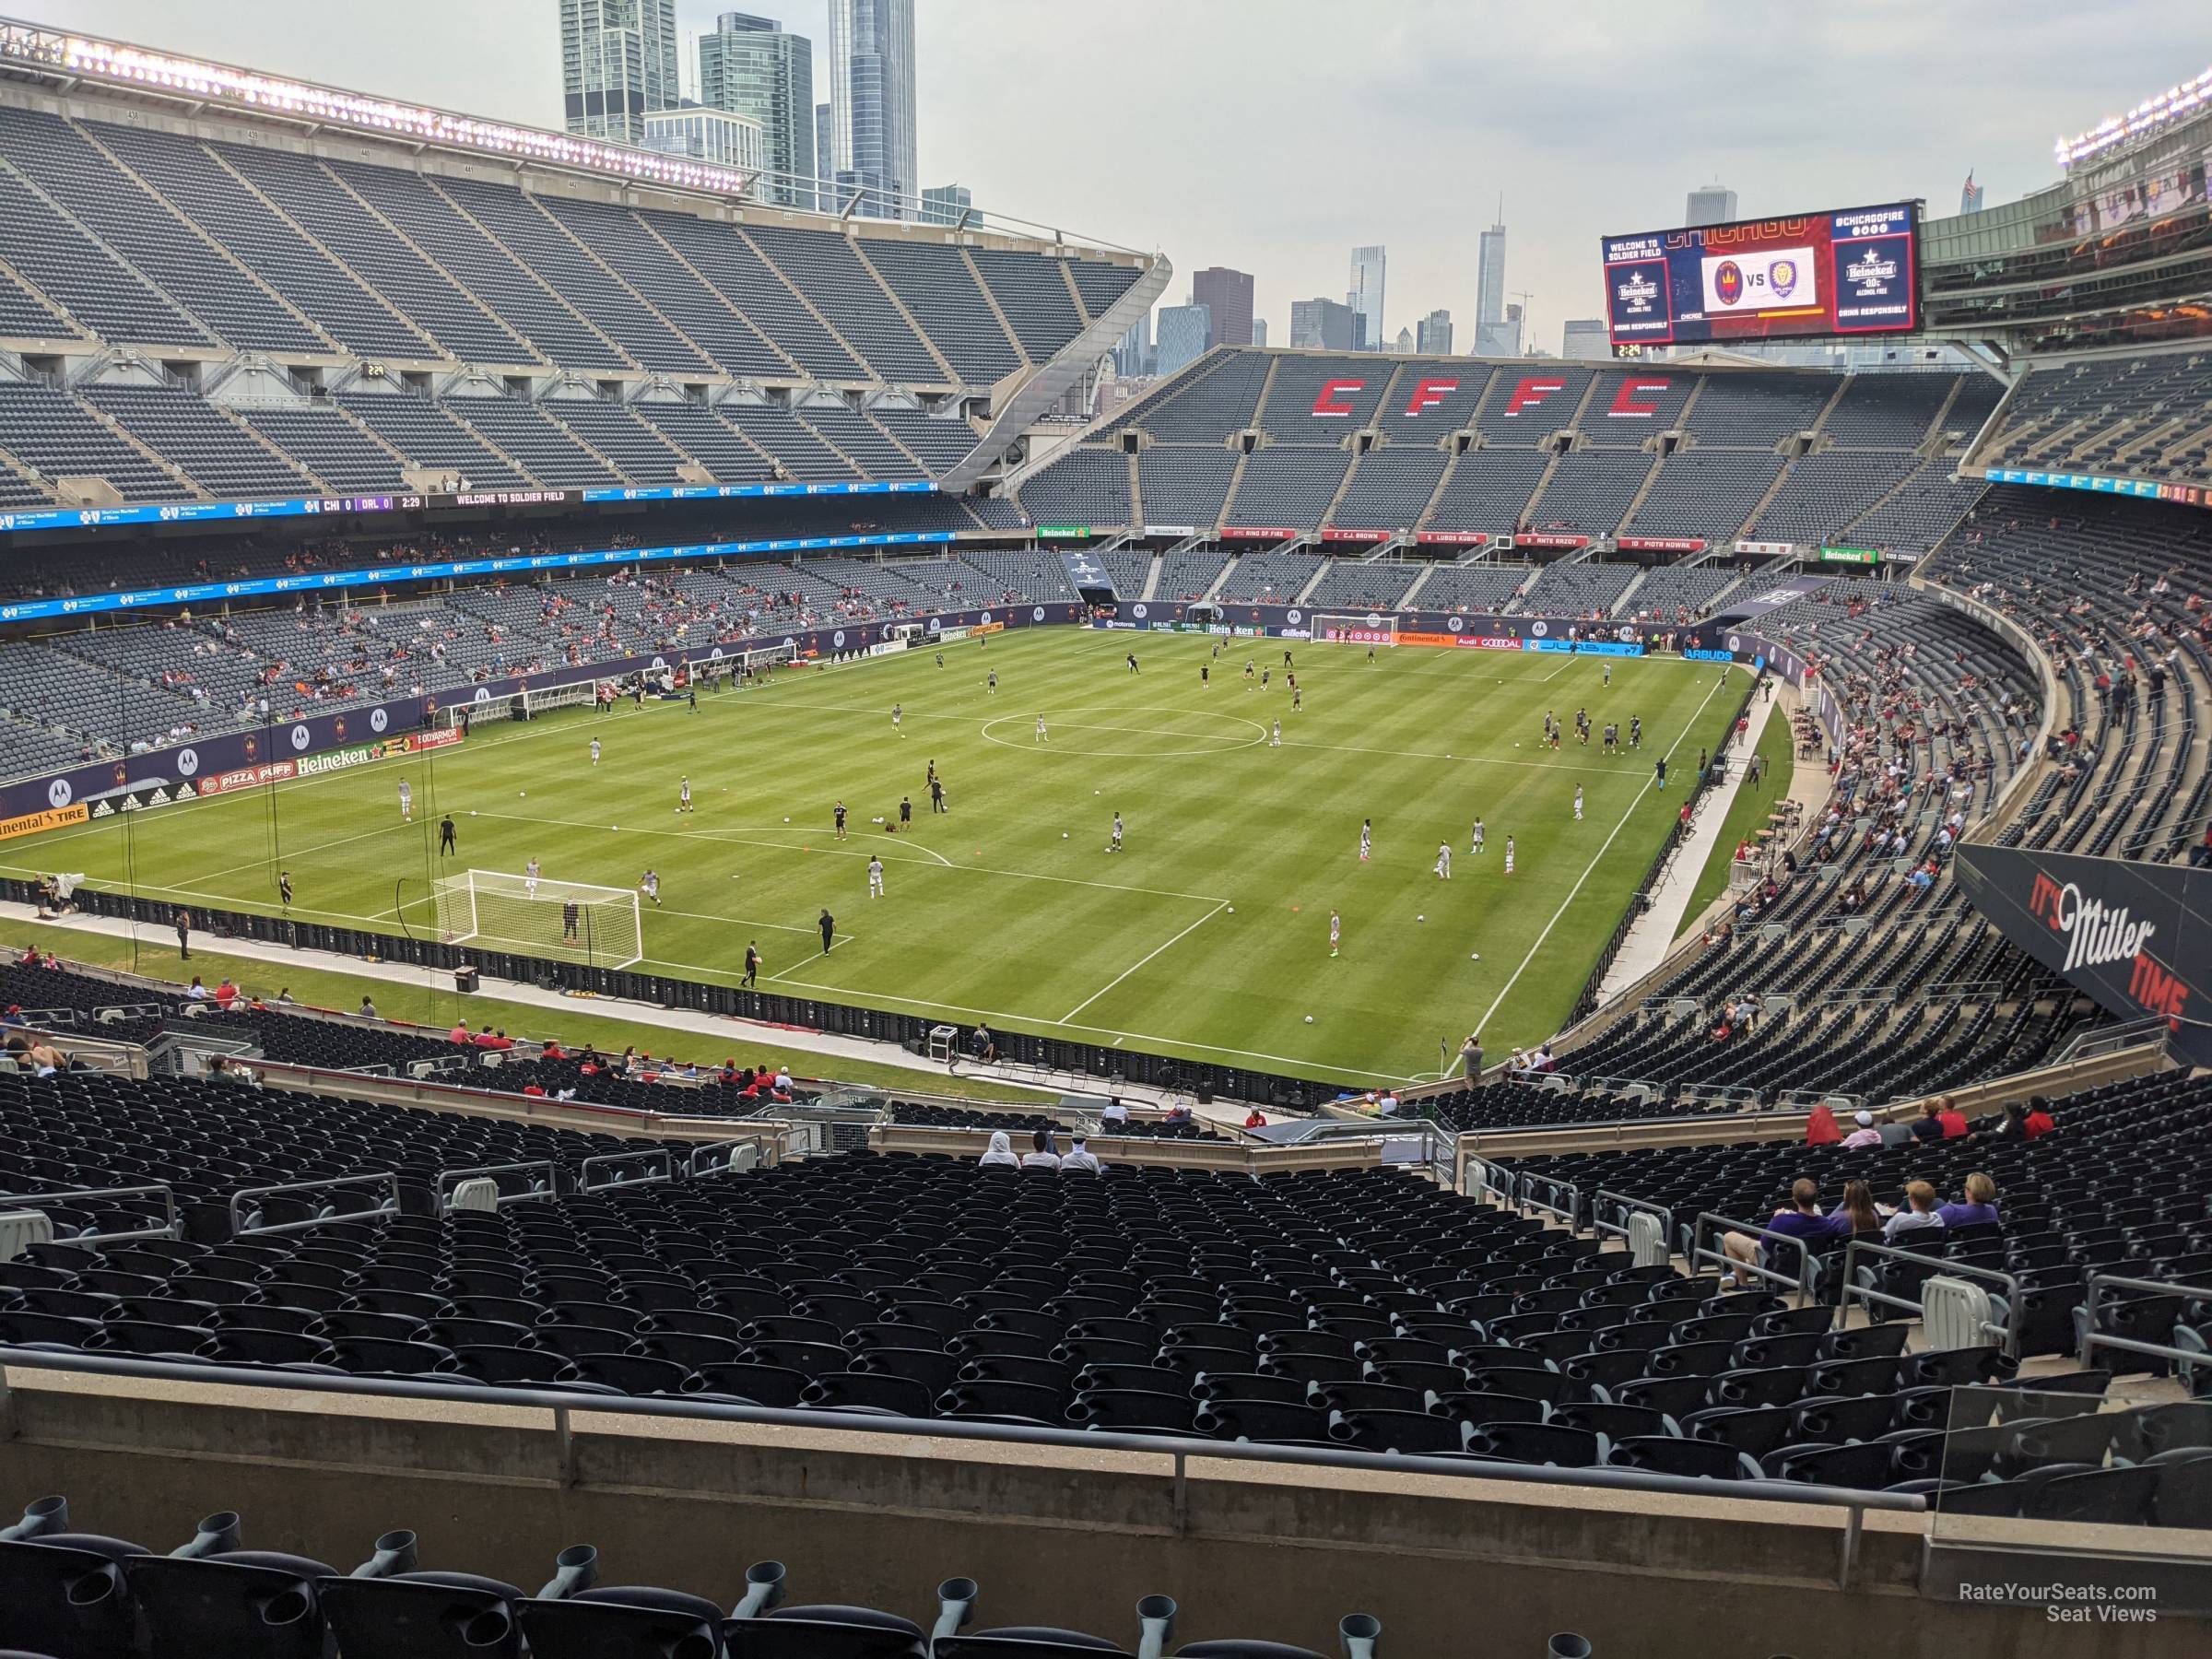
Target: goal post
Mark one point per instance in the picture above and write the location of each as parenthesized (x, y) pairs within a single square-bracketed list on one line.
[(1366, 629), (568, 921)]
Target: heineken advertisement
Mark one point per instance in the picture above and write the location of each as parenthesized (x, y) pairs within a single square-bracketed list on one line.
[(1064, 532), (1859, 556)]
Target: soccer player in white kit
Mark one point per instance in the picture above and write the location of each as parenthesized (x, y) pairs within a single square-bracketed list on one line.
[(1276, 740), (1367, 839), (1509, 855), (897, 714), (406, 802), (1476, 845), (1336, 931), (875, 876), (1115, 845), (649, 884), (1443, 861), (1577, 803), (594, 752), (530, 878), (1040, 736), (683, 795)]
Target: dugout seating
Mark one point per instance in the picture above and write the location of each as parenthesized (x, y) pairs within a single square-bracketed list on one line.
[(87, 1595)]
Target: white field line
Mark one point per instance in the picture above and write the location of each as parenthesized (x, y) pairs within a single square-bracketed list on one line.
[(1648, 784), (1133, 966)]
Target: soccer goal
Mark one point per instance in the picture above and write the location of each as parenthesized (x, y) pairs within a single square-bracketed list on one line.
[(568, 921), (1366, 629)]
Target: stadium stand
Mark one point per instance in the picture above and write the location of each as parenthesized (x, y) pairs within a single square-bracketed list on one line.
[(2145, 414)]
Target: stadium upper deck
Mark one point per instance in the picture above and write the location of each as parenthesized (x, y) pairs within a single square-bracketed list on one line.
[(199, 302)]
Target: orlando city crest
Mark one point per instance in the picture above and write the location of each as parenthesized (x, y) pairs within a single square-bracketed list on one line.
[(1783, 276)]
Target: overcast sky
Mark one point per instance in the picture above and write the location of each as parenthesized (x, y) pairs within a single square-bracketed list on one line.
[(1272, 136)]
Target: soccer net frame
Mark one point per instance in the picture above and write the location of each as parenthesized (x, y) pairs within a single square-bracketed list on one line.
[(568, 921), (1353, 630)]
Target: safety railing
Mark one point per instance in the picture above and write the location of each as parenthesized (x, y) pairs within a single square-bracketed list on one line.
[(2092, 1338), (2007, 1332), (450, 1180), (1698, 1254), (716, 1157), (1490, 1176), (388, 1178), (168, 1230), (1543, 1193), (657, 1161), (1604, 1228), (563, 1407)]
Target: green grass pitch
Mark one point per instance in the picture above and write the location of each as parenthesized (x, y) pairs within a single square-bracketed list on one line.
[(1207, 937)]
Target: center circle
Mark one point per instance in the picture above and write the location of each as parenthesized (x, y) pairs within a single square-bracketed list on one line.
[(1107, 733)]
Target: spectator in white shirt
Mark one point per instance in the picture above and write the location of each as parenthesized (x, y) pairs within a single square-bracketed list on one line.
[(1042, 1156), (1115, 1113), (999, 1152), (1866, 1135), (1918, 1213), (1080, 1160)]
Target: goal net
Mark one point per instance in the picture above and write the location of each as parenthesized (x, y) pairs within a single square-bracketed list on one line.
[(568, 921), (1366, 629)]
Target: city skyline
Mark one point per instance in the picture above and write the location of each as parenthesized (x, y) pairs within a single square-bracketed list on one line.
[(1483, 84)]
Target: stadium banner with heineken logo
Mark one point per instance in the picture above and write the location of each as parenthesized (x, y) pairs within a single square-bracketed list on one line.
[(2137, 937), (1064, 532), (1857, 556)]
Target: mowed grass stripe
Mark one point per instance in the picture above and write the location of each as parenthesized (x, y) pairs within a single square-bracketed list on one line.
[(1009, 905)]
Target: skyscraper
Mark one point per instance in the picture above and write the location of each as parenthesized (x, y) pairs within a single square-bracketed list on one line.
[(1432, 335), (823, 169), (750, 66), (1489, 290), (1365, 293), (1970, 198), (1710, 204), (872, 104), (1227, 296), (946, 203), (718, 137), (617, 60), (1324, 325), (1183, 338), (1584, 338), (1133, 356), (1259, 331)]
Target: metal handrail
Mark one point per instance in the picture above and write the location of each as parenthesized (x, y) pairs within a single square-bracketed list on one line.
[(562, 1406), (2093, 1339), (585, 1184), (1803, 1280), (691, 1159), (1495, 1177), (2007, 1334), (161, 1189), (1601, 1228), (444, 1193), (1527, 1199), (387, 1178)]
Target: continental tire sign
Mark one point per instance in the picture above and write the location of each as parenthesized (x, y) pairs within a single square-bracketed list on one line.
[(2136, 936), (38, 823)]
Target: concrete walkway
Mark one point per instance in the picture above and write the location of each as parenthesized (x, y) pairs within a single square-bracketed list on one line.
[(743, 1038), (1652, 934)]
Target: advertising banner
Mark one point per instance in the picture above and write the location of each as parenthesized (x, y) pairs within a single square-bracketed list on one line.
[(1548, 539), (1661, 544), (38, 823), (1249, 533), (1452, 538), (2136, 936)]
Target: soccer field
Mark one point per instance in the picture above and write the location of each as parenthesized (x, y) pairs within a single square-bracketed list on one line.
[(1207, 937)]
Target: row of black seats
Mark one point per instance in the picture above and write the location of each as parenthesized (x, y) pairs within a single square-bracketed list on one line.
[(80, 1596)]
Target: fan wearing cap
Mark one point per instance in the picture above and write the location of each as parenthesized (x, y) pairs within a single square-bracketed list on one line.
[(1866, 1135)]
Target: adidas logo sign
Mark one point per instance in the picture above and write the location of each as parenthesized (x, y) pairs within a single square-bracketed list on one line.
[(102, 810), (131, 802), (186, 793), (160, 797)]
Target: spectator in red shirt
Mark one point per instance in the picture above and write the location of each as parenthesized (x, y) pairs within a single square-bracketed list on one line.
[(1952, 1120), (460, 1031), (2038, 1122), (1256, 1119), (226, 993), (1822, 1128)]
